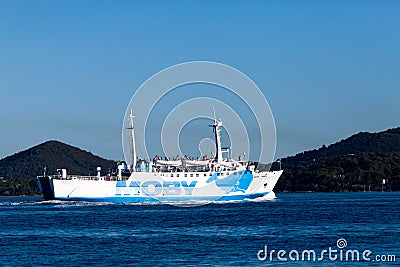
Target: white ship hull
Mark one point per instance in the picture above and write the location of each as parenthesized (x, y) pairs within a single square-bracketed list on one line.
[(164, 187)]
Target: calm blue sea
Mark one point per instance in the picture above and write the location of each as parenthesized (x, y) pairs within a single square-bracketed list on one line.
[(55, 233)]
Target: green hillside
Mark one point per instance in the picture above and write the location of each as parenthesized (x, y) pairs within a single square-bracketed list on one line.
[(357, 163), (19, 171)]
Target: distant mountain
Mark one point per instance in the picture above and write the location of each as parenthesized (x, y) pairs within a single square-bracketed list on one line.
[(359, 162), (23, 167), (363, 142)]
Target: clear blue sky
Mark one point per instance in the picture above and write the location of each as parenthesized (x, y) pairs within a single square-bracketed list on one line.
[(68, 69)]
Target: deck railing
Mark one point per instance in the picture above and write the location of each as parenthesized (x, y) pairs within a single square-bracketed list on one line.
[(92, 178)]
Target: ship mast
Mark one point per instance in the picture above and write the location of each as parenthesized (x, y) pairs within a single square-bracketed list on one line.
[(217, 132), (133, 150)]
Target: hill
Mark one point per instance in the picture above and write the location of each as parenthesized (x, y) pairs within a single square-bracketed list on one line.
[(19, 171), (357, 163), (363, 142)]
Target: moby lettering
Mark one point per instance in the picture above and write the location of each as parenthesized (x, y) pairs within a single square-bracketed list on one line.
[(156, 188)]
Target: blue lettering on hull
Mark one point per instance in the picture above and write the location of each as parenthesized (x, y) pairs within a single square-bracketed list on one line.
[(155, 188)]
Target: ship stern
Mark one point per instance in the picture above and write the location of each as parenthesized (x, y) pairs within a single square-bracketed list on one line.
[(46, 187)]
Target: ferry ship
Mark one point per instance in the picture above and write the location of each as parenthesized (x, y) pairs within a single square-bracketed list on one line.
[(178, 180)]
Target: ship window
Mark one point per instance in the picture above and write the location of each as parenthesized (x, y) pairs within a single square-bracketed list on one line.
[(185, 175), (218, 174), (205, 174), (210, 174), (172, 175), (177, 175), (191, 175), (197, 175), (227, 173)]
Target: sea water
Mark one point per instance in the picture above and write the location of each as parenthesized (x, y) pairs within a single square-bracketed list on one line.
[(59, 233)]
